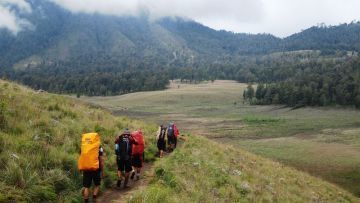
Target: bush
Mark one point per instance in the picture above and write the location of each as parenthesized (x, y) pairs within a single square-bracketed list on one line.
[(59, 179), (41, 193), (13, 175)]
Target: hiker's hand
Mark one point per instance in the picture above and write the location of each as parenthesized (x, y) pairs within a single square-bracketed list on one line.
[(102, 175)]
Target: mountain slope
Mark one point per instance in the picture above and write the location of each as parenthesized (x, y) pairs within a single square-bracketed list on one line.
[(327, 38), (206, 171), (60, 35), (68, 52), (40, 140)]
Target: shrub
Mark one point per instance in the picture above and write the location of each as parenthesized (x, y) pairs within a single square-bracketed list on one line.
[(59, 179), (41, 193), (22, 177)]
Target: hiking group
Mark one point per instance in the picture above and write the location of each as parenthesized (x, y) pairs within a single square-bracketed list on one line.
[(129, 151), (166, 138)]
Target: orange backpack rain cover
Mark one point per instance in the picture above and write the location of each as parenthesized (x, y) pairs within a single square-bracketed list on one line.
[(139, 148), (89, 157)]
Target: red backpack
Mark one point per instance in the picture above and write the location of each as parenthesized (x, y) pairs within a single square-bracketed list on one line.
[(176, 131), (139, 148)]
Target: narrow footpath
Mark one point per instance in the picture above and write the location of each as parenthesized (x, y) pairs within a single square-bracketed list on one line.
[(120, 195)]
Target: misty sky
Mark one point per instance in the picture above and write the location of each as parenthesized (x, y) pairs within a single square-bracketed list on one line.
[(278, 17)]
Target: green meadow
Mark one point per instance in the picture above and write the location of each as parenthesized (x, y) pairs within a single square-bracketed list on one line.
[(324, 142)]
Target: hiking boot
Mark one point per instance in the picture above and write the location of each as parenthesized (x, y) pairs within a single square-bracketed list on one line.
[(126, 183), (118, 184), (132, 175)]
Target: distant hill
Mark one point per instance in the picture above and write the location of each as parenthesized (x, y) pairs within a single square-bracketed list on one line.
[(326, 38), (74, 49), (60, 37)]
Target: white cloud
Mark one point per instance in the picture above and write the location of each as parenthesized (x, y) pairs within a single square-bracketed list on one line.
[(9, 18), (241, 10), (21, 4), (279, 17), (284, 17), (163, 7)]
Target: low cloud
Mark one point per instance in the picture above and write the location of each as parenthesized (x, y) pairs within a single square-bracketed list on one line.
[(279, 17), (241, 10), (9, 18)]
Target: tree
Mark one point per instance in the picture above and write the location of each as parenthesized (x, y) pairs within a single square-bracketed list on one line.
[(250, 93), (260, 91)]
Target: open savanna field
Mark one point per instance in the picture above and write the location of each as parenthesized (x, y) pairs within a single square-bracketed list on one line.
[(322, 141)]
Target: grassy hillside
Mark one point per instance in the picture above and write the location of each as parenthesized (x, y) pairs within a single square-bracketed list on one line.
[(40, 141), (321, 141), (206, 171)]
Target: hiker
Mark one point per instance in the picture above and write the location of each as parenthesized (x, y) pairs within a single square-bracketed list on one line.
[(123, 150), (137, 158), (171, 136), (161, 140), (91, 163)]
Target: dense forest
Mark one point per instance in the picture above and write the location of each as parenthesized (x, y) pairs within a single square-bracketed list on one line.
[(318, 83), (90, 82), (93, 80)]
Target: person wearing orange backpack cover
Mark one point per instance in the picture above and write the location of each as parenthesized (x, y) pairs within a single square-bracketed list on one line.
[(91, 163), (137, 158)]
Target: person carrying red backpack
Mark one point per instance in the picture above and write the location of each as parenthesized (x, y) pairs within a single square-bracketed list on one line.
[(137, 154)]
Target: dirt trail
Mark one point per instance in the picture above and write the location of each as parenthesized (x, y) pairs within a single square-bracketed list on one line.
[(119, 195)]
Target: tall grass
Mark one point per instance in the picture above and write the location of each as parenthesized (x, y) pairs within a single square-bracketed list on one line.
[(205, 171), (40, 143), (3, 123)]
